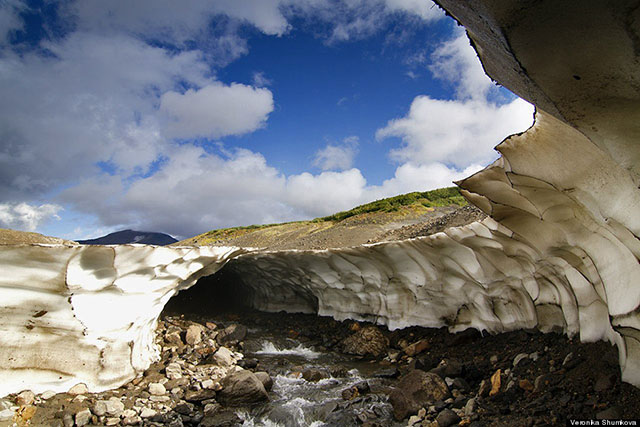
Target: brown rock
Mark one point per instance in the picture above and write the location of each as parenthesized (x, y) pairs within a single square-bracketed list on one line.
[(368, 341), (496, 382), (416, 390), (526, 385), (416, 348), (242, 387), (25, 398)]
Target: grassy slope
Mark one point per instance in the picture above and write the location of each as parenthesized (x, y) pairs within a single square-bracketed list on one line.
[(391, 207)]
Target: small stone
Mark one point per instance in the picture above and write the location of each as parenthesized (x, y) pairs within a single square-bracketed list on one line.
[(131, 421), (414, 419), (541, 382), (493, 359), (147, 413), (422, 413), (416, 348), (67, 419), (157, 389), (47, 395), (447, 418), (211, 325), (112, 421), (485, 387), (184, 408), (79, 398), (567, 359), (534, 356), (496, 382), (526, 385), (207, 383), (470, 407), (112, 407), (83, 417), (223, 357), (78, 389), (193, 335), (519, 358), (25, 398), (159, 398), (173, 371), (129, 413), (174, 338), (6, 414)]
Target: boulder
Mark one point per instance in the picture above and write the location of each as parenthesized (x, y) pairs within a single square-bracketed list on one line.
[(367, 341), (232, 334), (242, 387), (314, 374), (416, 390), (265, 379)]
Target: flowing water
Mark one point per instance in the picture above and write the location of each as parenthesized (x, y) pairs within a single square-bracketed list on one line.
[(295, 401)]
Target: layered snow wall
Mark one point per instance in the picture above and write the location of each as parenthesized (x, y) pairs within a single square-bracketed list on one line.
[(560, 250)]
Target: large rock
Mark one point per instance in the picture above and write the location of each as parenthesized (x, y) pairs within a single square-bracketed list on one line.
[(241, 388), (368, 341), (416, 390), (232, 334)]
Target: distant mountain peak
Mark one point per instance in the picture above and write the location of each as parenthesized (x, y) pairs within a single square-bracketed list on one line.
[(131, 236)]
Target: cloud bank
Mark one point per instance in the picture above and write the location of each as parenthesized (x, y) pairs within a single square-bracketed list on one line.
[(107, 118)]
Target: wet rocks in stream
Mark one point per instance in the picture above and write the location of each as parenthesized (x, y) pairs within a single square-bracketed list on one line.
[(364, 375)]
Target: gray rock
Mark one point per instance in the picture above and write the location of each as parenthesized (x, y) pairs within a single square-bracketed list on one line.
[(447, 418), (78, 389), (232, 334), (113, 407), (415, 390), (242, 387), (519, 358), (265, 379), (223, 357), (157, 389), (470, 407), (608, 414), (194, 334), (173, 371), (83, 417), (67, 419)]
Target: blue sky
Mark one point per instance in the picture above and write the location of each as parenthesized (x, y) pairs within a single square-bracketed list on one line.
[(182, 117)]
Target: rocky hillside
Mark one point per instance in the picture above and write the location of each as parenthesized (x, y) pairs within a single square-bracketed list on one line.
[(14, 237), (405, 216)]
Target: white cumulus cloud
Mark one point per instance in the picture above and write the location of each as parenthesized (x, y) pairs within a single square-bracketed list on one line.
[(216, 110), (27, 217), (462, 131), (337, 156)]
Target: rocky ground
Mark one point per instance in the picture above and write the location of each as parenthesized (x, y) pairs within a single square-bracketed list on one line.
[(432, 378)]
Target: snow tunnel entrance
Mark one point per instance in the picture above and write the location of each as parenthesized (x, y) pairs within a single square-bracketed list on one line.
[(241, 286)]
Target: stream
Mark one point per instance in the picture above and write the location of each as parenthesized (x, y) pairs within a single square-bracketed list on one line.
[(296, 401)]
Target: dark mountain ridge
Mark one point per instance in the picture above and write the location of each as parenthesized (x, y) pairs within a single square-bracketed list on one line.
[(131, 236)]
